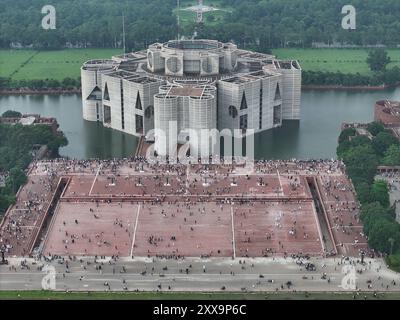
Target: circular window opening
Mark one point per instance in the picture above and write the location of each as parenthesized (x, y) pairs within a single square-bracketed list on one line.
[(174, 65)]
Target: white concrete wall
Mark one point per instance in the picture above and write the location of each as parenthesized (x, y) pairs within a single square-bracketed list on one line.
[(291, 93), (90, 79), (201, 116), (114, 85), (165, 111)]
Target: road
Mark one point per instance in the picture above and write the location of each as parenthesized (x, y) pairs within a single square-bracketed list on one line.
[(203, 275)]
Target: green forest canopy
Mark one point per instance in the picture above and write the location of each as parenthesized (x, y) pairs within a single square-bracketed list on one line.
[(16, 144), (362, 156), (275, 23)]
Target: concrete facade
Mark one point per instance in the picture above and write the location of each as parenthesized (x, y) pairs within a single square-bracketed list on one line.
[(197, 84)]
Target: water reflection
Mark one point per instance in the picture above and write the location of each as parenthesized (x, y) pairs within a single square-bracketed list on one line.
[(279, 143), (107, 143), (86, 139), (315, 136)]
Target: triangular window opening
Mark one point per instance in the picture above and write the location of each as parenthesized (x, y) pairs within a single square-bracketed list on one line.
[(138, 102), (106, 94), (243, 105), (277, 92), (95, 94)]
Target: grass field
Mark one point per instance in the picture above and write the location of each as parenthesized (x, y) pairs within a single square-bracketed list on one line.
[(11, 60), (45, 295), (30, 64), (48, 64), (344, 60)]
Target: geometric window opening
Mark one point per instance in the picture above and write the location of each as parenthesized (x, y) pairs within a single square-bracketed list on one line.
[(277, 115), (106, 94), (243, 122), (139, 123), (233, 112), (107, 114), (277, 93), (243, 104), (95, 94), (138, 102), (149, 112)]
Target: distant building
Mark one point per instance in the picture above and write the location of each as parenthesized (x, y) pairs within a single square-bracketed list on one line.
[(197, 84), (32, 119), (388, 113)]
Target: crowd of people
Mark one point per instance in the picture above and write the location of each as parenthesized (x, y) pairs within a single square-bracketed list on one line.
[(343, 213), (21, 223), (180, 184)]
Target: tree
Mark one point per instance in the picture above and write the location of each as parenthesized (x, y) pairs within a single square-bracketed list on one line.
[(16, 143), (381, 232), (16, 178), (378, 60), (392, 76), (380, 193), (383, 141), (371, 213), (11, 114), (375, 127), (210, 18), (346, 134), (363, 192), (392, 156), (394, 261), (5, 202), (361, 162)]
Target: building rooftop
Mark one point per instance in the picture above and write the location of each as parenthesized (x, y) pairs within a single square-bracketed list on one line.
[(143, 80), (193, 44), (186, 91), (123, 74)]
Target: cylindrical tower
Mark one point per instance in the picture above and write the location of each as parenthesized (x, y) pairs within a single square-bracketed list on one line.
[(165, 124), (91, 73), (212, 90), (202, 116)]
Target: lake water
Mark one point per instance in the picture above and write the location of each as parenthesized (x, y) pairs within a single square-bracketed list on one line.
[(314, 136)]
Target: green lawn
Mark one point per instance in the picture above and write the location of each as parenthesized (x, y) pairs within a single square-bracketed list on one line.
[(48, 64), (11, 60), (190, 296), (344, 60), (66, 63)]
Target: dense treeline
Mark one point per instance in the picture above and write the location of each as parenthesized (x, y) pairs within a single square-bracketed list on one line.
[(311, 78), (66, 83), (262, 23), (362, 156), (16, 146), (301, 22), (87, 23), (388, 77)]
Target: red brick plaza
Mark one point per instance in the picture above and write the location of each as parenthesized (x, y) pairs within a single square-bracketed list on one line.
[(132, 208)]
